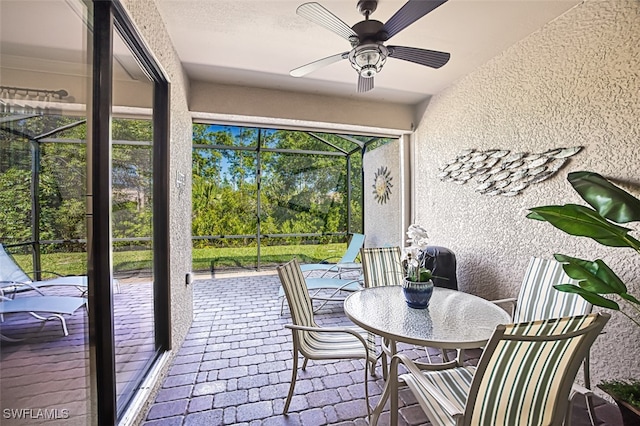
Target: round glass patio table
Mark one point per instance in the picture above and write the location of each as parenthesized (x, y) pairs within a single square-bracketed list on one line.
[(453, 320)]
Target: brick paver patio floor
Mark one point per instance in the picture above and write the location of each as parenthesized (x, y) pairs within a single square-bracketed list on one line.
[(235, 365)]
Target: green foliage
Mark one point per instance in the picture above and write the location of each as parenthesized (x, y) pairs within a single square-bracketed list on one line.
[(623, 390), (70, 263), (15, 204), (425, 275), (609, 200), (609, 206), (270, 255), (300, 193), (62, 183)]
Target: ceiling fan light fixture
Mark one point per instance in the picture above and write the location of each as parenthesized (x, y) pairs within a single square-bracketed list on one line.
[(368, 59), (368, 53)]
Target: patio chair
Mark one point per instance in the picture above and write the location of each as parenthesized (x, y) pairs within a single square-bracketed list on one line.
[(315, 342), (346, 264), (524, 376), (54, 306), (13, 279), (538, 300), (325, 289), (381, 266)]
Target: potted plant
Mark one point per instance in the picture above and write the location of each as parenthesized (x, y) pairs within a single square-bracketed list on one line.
[(609, 206), (417, 286)]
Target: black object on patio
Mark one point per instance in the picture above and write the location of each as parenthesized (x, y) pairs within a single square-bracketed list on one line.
[(442, 263)]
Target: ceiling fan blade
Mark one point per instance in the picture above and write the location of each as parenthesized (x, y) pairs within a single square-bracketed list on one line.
[(364, 84), (317, 13), (429, 58), (408, 14), (316, 65)]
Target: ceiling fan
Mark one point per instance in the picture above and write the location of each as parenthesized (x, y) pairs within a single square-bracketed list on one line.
[(368, 53)]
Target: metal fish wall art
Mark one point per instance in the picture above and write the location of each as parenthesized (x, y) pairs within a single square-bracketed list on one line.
[(502, 172)]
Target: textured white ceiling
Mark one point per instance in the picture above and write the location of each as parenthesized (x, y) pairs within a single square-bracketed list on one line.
[(257, 42)]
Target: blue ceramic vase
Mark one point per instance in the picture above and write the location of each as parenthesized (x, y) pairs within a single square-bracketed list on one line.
[(417, 293)]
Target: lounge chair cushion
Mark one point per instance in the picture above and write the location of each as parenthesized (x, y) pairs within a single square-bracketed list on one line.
[(9, 271), (51, 304)]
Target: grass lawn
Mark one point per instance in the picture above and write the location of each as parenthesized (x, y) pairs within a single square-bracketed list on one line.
[(270, 256), (202, 259)]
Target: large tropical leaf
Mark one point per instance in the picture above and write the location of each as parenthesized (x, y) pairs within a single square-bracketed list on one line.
[(593, 298), (594, 276), (583, 221), (607, 199), (630, 298)]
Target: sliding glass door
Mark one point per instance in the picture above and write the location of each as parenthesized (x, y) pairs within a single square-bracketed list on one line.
[(128, 211), (84, 119), (45, 370), (132, 206)]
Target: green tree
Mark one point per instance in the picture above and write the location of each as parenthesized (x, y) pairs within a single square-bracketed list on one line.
[(62, 178), (300, 192)]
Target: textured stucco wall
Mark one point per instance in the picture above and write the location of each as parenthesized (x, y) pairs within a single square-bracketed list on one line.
[(278, 104), (148, 21), (574, 82), (382, 221)]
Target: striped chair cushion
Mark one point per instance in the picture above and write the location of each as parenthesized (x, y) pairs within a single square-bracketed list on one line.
[(297, 294), (539, 300), (381, 266), (522, 378), (453, 384), (324, 346), (312, 344)]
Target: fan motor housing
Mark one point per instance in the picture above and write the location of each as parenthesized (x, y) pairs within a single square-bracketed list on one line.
[(370, 31)]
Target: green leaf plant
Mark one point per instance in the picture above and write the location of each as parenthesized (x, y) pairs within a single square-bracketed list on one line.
[(609, 206)]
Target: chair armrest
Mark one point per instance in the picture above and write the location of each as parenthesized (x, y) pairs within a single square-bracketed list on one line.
[(355, 280), (581, 390), (16, 284), (333, 330), (422, 366), (512, 301), (417, 373)]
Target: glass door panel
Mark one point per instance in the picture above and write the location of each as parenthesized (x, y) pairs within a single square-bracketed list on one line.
[(132, 214), (44, 81)]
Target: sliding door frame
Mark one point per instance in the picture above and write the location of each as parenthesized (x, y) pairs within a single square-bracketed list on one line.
[(107, 16)]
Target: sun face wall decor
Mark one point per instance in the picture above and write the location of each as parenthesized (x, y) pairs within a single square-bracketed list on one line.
[(382, 185)]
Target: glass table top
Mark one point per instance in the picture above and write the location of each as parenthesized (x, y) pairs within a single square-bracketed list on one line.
[(453, 320)]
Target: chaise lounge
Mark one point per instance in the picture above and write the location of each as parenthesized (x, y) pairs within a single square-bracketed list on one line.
[(345, 264), (54, 306), (14, 279)]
